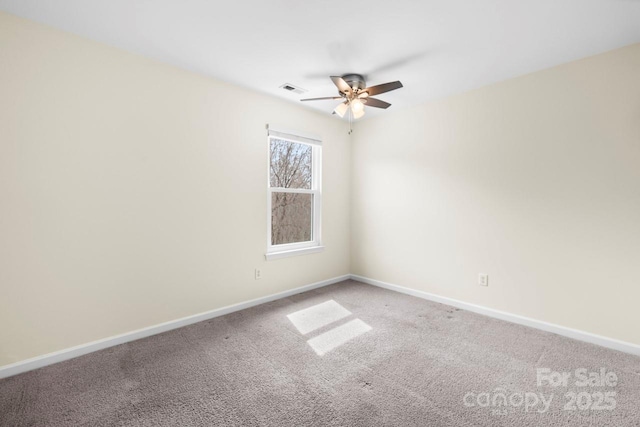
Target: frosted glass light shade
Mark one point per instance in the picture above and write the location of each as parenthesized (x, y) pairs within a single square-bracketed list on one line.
[(358, 114), (341, 109)]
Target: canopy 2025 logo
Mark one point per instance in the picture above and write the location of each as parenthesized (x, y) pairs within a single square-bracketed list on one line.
[(590, 391)]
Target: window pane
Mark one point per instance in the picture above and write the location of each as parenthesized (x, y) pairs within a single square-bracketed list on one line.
[(291, 217), (290, 164)]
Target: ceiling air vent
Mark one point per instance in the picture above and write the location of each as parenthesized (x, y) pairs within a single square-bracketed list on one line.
[(291, 88)]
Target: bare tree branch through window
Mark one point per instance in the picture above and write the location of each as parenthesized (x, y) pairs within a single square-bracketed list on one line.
[(291, 212)]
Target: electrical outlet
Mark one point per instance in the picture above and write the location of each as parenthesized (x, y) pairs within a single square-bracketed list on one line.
[(258, 274), (483, 279)]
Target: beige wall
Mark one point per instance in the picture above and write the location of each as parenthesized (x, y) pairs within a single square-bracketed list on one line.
[(535, 181), (134, 193)]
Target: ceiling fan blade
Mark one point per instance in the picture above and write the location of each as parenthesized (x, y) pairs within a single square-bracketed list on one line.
[(373, 102), (321, 99), (341, 84), (386, 87)]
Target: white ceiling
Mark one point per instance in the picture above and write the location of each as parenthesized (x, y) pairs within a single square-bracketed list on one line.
[(435, 47)]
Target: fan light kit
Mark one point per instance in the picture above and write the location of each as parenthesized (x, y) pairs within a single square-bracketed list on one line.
[(355, 95)]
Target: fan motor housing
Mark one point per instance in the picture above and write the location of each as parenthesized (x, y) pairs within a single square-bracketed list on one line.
[(356, 80)]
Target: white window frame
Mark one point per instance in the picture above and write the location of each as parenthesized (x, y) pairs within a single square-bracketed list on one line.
[(315, 244)]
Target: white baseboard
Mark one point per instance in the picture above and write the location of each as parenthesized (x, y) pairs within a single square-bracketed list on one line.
[(70, 353), (509, 317)]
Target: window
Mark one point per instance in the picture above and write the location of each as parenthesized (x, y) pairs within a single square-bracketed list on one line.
[(294, 197)]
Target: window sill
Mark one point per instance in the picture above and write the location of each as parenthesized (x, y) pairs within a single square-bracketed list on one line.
[(294, 252)]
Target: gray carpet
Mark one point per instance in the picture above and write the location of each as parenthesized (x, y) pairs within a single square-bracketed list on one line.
[(417, 365)]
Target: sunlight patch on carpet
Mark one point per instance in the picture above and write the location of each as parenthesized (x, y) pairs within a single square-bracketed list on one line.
[(324, 343), (317, 316)]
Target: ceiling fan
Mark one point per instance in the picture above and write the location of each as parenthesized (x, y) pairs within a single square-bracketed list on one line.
[(355, 95)]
